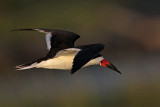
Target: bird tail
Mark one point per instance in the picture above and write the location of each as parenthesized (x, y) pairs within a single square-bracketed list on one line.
[(26, 66)]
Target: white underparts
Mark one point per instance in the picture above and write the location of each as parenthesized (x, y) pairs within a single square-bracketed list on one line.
[(64, 60)]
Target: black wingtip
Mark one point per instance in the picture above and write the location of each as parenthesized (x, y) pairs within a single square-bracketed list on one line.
[(22, 30), (72, 72)]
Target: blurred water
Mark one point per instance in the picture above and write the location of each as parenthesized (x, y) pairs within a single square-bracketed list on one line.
[(137, 85)]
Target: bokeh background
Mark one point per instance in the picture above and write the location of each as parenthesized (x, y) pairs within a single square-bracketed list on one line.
[(130, 29)]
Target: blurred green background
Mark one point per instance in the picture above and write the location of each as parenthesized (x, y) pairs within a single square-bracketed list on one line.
[(130, 29)]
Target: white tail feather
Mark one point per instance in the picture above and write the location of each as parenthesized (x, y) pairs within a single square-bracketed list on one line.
[(23, 67)]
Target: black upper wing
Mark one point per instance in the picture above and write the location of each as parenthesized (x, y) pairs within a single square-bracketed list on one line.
[(56, 39), (62, 40), (87, 53)]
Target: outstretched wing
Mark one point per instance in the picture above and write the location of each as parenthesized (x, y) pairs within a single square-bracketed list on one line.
[(56, 38), (87, 53)]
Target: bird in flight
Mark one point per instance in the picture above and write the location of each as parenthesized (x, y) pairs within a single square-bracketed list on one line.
[(64, 55)]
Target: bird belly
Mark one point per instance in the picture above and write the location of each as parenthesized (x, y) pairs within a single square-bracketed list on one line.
[(62, 62)]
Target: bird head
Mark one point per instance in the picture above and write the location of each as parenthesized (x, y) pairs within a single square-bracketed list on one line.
[(107, 64)]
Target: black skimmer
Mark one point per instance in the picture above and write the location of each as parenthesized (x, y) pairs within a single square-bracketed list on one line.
[(64, 55)]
